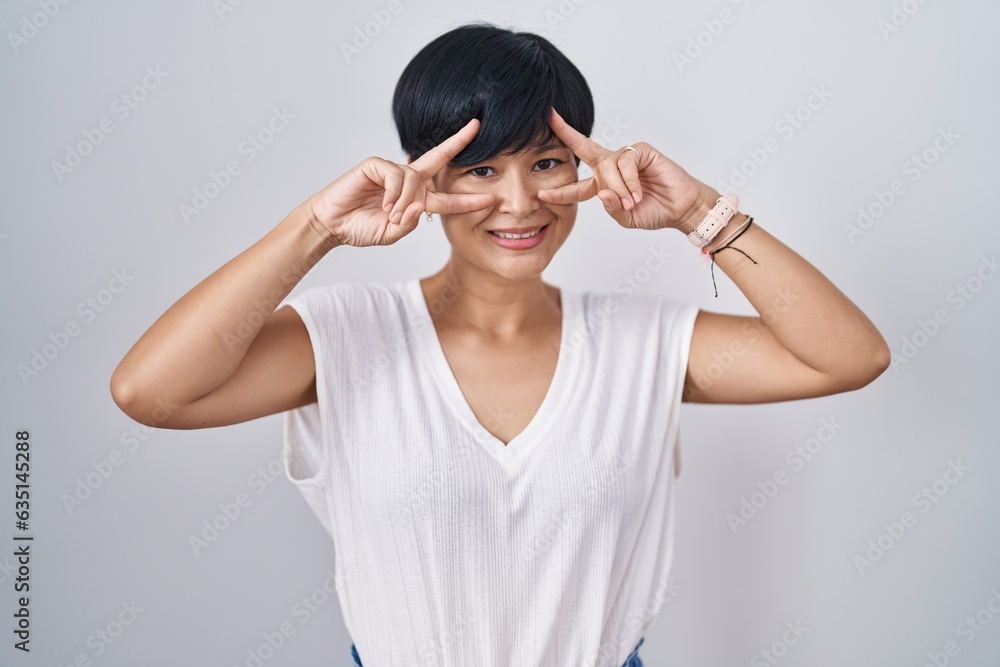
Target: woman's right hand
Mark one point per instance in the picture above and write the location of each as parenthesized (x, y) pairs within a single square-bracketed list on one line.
[(379, 202)]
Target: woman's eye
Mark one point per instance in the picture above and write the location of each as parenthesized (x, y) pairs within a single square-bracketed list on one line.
[(484, 172)]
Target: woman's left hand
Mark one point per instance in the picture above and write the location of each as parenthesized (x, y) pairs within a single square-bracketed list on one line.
[(644, 191)]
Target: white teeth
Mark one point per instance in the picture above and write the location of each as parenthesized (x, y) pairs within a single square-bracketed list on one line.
[(505, 235)]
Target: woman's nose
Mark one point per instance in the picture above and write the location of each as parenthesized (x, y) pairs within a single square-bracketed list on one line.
[(517, 198)]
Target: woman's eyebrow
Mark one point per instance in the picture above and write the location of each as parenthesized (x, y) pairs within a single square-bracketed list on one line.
[(538, 149), (535, 150)]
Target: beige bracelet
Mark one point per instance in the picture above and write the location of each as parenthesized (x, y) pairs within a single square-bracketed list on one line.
[(735, 233), (717, 218)]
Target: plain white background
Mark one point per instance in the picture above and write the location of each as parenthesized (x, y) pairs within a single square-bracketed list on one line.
[(893, 78)]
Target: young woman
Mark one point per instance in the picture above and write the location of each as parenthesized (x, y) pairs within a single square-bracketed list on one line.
[(493, 455)]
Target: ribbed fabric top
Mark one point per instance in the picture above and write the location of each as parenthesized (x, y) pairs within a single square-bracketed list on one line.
[(453, 549)]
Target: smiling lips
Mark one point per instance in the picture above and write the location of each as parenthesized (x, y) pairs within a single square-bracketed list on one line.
[(523, 232), (518, 238)]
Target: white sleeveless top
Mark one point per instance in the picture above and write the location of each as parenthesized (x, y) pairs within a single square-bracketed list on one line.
[(453, 549)]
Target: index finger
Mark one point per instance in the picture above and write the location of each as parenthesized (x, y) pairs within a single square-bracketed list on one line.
[(583, 147), (438, 157)]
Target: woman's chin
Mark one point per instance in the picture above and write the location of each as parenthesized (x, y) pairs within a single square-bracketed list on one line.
[(517, 269)]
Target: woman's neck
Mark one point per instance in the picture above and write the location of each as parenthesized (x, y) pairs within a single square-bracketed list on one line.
[(490, 304)]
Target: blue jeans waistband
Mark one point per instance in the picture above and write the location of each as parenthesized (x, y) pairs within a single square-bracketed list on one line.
[(633, 659)]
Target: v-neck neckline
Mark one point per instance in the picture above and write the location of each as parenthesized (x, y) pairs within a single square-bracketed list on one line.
[(551, 404)]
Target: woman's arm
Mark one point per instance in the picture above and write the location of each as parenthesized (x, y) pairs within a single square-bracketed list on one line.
[(221, 354), (807, 340), (175, 376)]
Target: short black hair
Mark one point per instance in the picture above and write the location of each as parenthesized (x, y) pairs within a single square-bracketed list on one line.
[(506, 79)]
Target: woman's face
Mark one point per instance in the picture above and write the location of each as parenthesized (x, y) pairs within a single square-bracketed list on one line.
[(514, 181)]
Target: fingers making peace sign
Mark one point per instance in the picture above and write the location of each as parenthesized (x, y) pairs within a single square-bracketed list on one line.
[(378, 202), (641, 189)]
